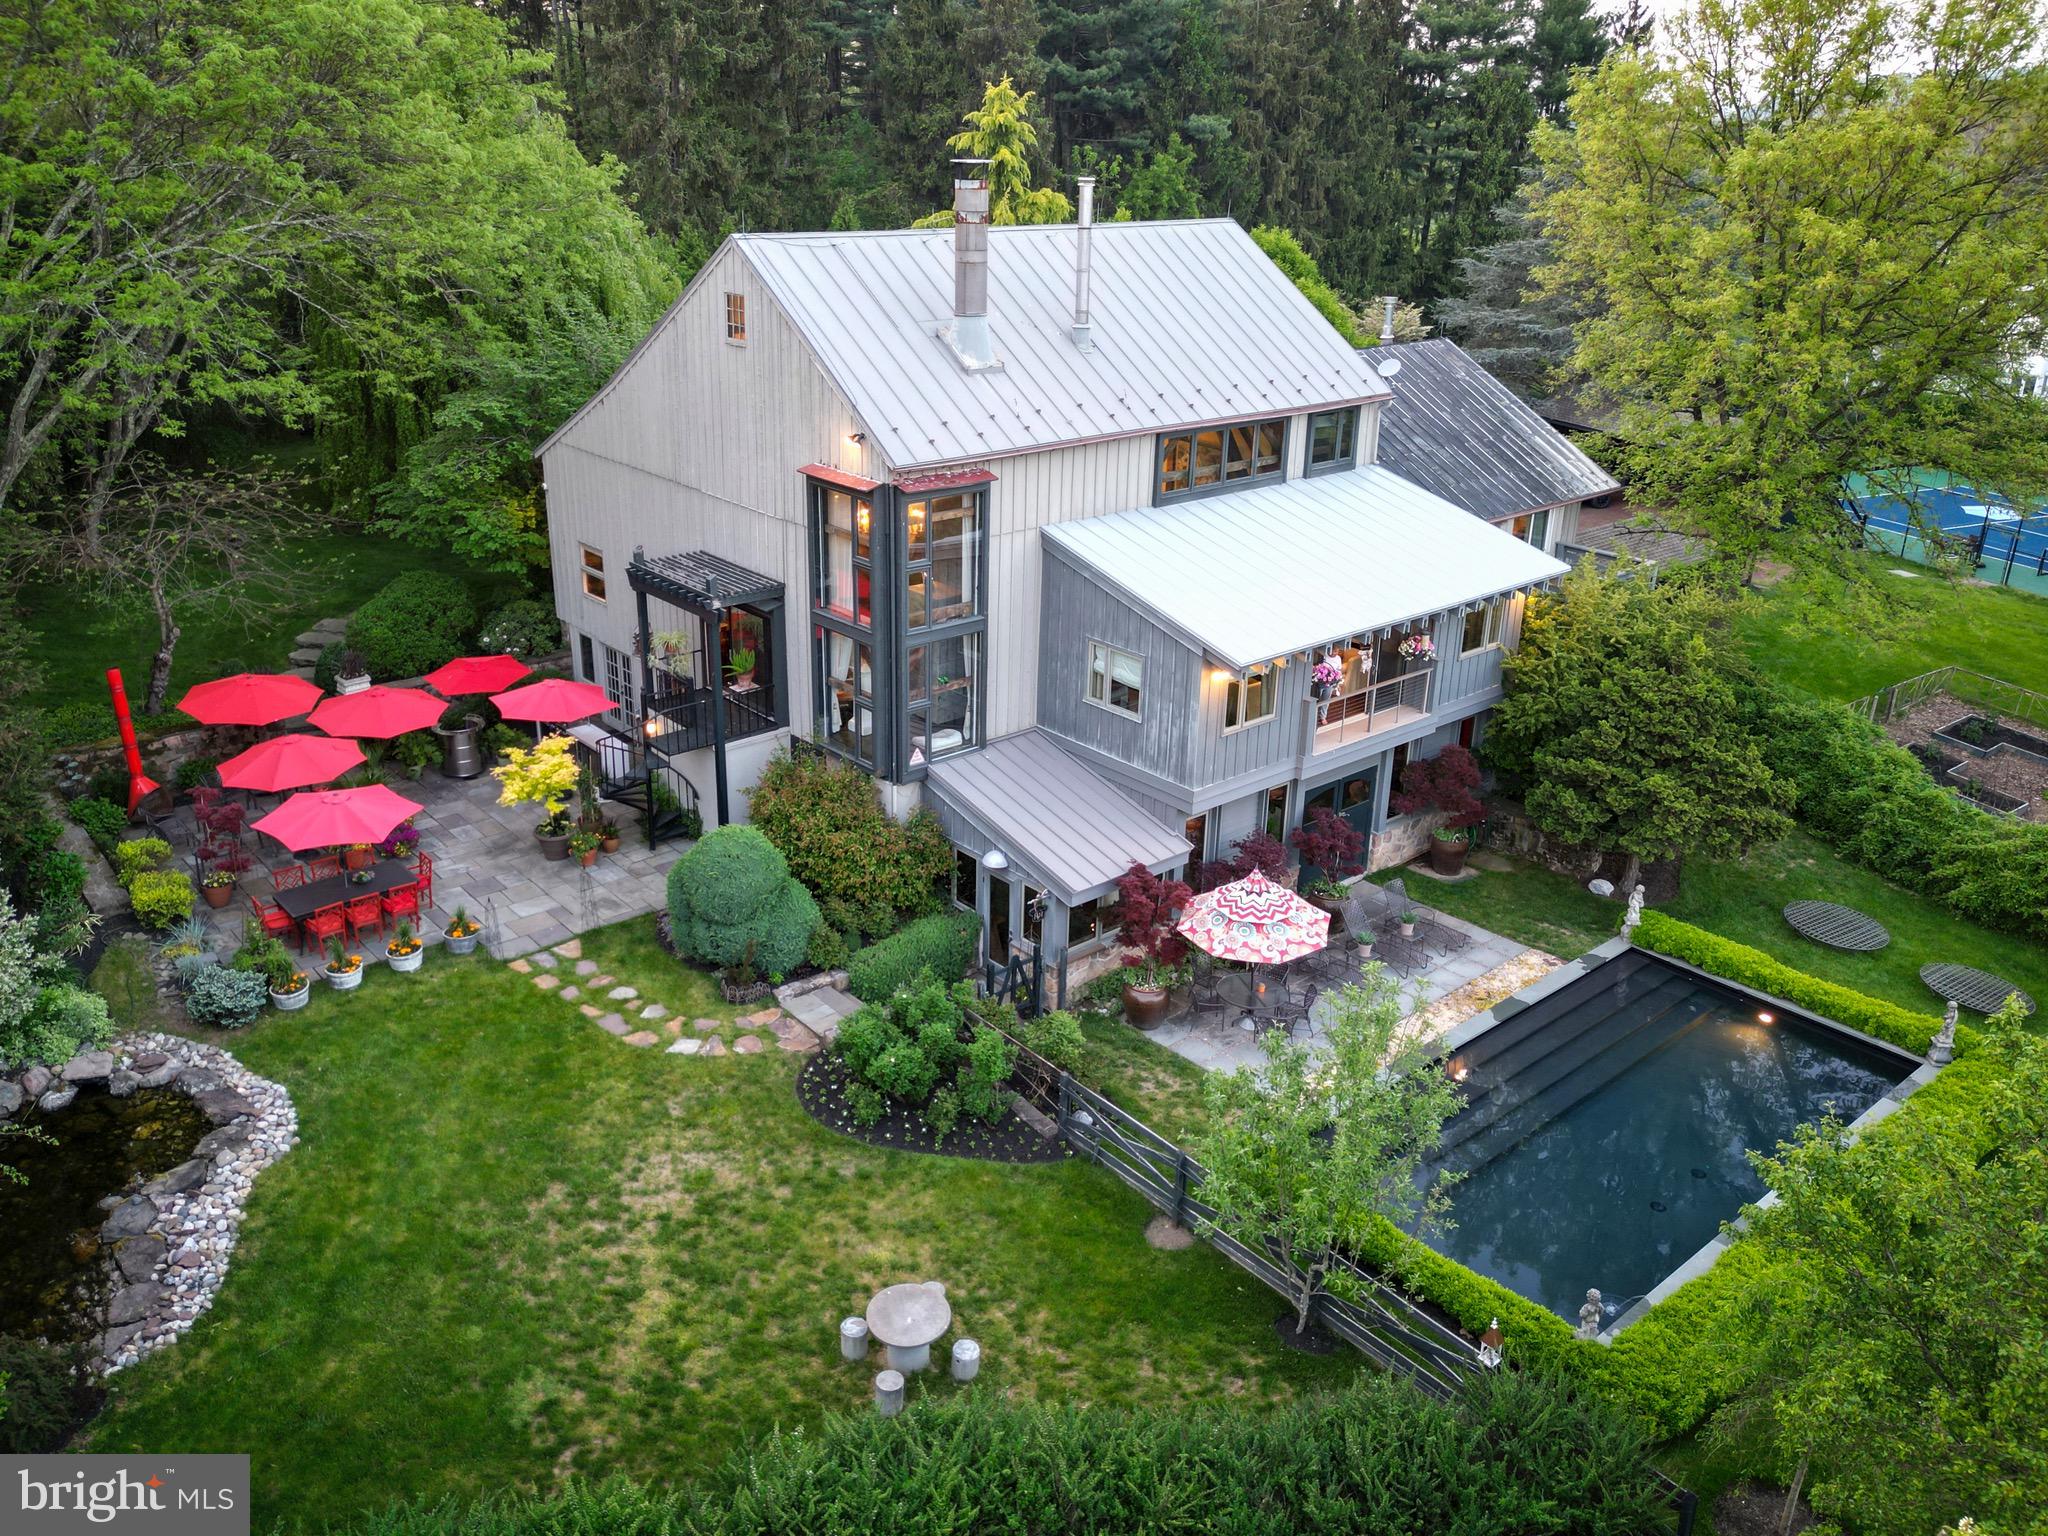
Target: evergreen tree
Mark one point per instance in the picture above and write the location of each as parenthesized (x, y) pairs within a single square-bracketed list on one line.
[(1000, 131), (1102, 57), (1520, 336), (1366, 113), (1197, 97), (1001, 38), (923, 89), (1566, 35), (1165, 187)]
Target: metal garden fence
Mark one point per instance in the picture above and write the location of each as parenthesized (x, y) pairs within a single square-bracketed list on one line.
[(1992, 693)]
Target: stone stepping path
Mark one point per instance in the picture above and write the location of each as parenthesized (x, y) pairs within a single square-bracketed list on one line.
[(644, 1023)]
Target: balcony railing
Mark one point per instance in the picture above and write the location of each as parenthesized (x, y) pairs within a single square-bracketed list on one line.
[(1350, 717), (679, 720)]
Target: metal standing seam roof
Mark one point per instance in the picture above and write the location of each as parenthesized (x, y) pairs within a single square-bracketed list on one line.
[(1277, 569), (1192, 323), (1454, 429), (1048, 809)]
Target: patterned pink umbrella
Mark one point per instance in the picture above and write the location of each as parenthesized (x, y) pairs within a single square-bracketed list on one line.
[(1254, 920)]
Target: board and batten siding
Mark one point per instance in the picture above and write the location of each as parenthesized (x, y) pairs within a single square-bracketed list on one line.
[(697, 444)]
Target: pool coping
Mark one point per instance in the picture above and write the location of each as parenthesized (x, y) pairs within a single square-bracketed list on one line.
[(1922, 1073)]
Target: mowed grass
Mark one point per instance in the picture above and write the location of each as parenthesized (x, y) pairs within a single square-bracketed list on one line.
[(1994, 630), (510, 1249)]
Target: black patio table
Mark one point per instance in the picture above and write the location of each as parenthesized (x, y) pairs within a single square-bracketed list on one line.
[(300, 902)]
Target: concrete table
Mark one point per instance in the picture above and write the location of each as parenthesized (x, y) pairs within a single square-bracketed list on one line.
[(907, 1318)]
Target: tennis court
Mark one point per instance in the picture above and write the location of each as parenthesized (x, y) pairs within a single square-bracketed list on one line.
[(2009, 543)]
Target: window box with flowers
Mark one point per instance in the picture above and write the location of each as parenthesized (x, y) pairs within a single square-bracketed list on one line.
[(1418, 650), (344, 971), (464, 932), (404, 952)]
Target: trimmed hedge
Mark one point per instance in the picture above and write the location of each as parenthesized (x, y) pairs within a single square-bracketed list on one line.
[(419, 620), (1748, 967), (733, 890), (942, 944)]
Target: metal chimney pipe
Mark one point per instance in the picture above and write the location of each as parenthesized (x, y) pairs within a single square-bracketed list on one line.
[(970, 265), (1387, 324), (1084, 270)]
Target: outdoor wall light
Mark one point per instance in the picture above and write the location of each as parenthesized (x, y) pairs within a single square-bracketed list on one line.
[(995, 861)]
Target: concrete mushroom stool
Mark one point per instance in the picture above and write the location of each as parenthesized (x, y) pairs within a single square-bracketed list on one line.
[(907, 1318), (966, 1359), (853, 1338), (888, 1393)]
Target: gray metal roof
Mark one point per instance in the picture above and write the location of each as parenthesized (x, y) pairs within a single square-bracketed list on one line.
[(1059, 819), (1277, 569), (1192, 323), (1454, 429)]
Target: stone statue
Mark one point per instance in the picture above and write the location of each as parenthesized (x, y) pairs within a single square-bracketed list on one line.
[(1943, 1050), (1592, 1314), (1634, 914)]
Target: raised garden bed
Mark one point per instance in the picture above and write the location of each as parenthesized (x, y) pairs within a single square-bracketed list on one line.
[(821, 1090), (1980, 735)]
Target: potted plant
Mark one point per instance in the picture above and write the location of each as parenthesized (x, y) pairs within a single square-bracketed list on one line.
[(351, 675), (1330, 845), (289, 989), (1417, 649), (414, 751), (1147, 908), (584, 843), (459, 732), (402, 842), (1325, 895), (217, 886), (404, 952), (464, 932), (358, 856), (1364, 939), (669, 651), (740, 667), (1409, 918), (344, 971), (1447, 784), (544, 774), (608, 834)]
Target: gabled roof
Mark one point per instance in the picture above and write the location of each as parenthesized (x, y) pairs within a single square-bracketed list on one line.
[(1270, 571), (1454, 429), (1076, 831), (1192, 323)]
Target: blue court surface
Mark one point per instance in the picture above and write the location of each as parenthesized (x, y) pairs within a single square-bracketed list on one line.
[(2000, 530)]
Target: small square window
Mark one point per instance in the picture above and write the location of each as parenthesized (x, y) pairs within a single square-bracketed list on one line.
[(1116, 679), (1482, 628), (593, 572), (736, 317), (1332, 439), (1252, 698)]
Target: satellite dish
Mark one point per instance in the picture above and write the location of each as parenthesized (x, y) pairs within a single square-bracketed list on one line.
[(1389, 368)]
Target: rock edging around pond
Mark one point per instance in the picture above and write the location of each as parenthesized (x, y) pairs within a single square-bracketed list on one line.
[(168, 1244)]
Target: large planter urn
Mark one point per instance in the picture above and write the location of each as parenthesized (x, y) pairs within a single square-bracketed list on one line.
[(553, 846), (461, 756), (217, 895), (344, 981), (290, 1002), (1447, 854), (1145, 1007), (464, 943), (402, 963)]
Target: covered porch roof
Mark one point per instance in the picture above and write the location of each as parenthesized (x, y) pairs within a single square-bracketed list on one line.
[(1060, 822), (1269, 571), (701, 581)]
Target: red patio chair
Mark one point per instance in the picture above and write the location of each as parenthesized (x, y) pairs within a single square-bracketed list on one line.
[(327, 864), (275, 920), (402, 901), (366, 912), (290, 878), (423, 866), (327, 923)]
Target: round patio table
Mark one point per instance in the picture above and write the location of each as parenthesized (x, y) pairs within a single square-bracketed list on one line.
[(1979, 991), (1837, 926), (907, 1318)]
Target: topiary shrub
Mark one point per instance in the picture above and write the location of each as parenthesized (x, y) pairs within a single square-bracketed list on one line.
[(226, 998), (419, 620), (525, 627), (829, 823), (734, 889), (162, 898), (138, 856), (942, 944)]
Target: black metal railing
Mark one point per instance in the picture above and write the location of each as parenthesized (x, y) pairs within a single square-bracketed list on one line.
[(681, 718)]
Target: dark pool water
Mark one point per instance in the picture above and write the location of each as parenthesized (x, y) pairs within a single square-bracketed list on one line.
[(49, 1227), (1605, 1136)]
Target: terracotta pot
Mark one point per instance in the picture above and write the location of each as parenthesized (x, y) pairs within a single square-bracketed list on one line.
[(357, 858), (1447, 857), (610, 845), (1365, 951), (1334, 907), (587, 859), (552, 846), (217, 895), (1145, 1007)]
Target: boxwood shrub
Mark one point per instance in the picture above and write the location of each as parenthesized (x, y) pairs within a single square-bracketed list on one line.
[(419, 620), (942, 944), (162, 898), (733, 890), (138, 856)]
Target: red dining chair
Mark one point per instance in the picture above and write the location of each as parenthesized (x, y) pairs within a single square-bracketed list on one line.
[(324, 867), (365, 912), (275, 920), (423, 866), (327, 923), (402, 901), (290, 878)]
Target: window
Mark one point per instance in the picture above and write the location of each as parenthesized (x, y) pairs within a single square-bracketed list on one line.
[(1091, 921), (1116, 679), (736, 318), (942, 555), (842, 580), (943, 676), (1530, 528), (1252, 698), (1201, 461), (1482, 627), (618, 680), (1197, 830), (966, 871), (1333, 439), (1276, 811), (593, 572), (845, 669)]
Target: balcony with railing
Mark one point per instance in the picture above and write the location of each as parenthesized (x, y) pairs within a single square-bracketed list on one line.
[(1344, 719)]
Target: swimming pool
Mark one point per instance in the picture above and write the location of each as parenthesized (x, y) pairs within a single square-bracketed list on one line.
[(1604, 1132)]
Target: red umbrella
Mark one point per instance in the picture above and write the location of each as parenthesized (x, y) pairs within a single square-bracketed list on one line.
[(379, 711), (476, 674), (553, 702), (250, 698), (290, 762), (326, 817)]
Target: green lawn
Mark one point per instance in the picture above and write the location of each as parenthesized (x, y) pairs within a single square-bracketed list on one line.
[(1744, 899), (511, 1248), (1993, 630), (330, 572)]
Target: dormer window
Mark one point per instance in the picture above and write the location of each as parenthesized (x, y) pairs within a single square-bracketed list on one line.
[(1332, 440), (1219, 458)]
